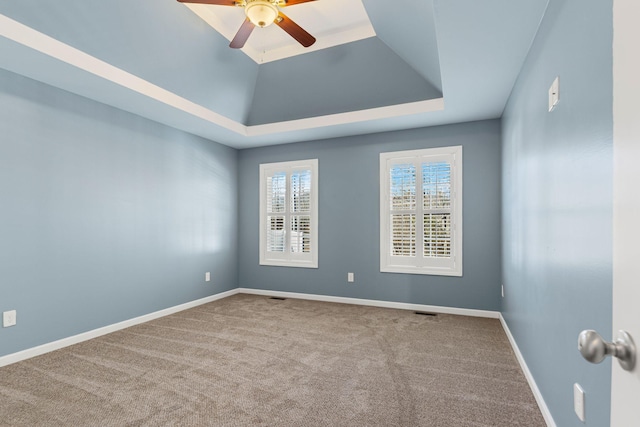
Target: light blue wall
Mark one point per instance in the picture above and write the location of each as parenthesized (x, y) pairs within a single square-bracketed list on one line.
[(104, 216), (349, 219), (420, 49), (354, 76), (557, 206)]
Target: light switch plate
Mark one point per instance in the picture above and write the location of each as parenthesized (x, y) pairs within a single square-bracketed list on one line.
[(554, 94), (8, 318), (578, 401)]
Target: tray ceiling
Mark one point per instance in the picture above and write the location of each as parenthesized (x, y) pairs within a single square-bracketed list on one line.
[(423, 64)]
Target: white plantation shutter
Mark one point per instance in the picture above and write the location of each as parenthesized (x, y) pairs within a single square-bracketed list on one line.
[(288, 214), (436, 197), (276, 196), (437, 236), (300, 211), (403, 205), (403, 235), (421, 211)]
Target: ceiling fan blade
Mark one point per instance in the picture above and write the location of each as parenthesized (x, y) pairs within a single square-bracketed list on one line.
[(242, 35), (284, 3), (216, 2), (295, 30)]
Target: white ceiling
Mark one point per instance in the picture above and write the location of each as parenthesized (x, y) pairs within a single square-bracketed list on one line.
[(430, 62), (332, 22)]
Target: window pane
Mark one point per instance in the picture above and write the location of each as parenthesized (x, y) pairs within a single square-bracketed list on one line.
[(436, 185), (403, 235), (301, 233), (437, 235), (275, 233), (301, 191), (276, 192), (403, 187)]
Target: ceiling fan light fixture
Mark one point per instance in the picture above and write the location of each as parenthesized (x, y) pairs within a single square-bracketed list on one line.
[(261, 13)]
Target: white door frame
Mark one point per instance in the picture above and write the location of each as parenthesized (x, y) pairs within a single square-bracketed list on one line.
[(625, 386)]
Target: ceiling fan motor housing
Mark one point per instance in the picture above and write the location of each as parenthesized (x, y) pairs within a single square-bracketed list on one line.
[(261, 13)]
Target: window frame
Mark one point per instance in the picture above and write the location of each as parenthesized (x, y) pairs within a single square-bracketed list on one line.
[(419, 264), (288, 258)]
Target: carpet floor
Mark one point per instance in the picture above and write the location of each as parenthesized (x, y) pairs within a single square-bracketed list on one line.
[(254, 361)]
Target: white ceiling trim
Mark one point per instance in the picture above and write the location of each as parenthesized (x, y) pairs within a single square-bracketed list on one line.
[(33, 39), (370, 114), (27, 36)]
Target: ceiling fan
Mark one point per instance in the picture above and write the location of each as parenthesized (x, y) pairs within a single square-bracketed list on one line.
[(262, 13)]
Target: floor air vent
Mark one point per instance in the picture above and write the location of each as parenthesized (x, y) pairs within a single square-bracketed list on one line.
[(426, 313), (278, 298)]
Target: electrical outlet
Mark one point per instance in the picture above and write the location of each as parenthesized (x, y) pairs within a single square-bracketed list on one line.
[(207, 276), (9, 318), (502, 291), (350, 278), (578, 401)]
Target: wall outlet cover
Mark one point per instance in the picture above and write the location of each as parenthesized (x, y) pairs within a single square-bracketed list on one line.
[(578, 401), (9, 318), (350, 277)]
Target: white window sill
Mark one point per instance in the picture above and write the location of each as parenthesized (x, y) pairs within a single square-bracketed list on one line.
[(278, 263), (425, 270)]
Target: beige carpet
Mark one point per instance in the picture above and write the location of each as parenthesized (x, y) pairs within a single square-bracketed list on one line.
[(254, 361)]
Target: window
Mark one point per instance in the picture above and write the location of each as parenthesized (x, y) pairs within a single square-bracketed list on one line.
[(421, 211), (289, 214)]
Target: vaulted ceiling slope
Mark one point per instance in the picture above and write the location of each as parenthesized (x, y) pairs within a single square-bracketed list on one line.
[(430, 62)]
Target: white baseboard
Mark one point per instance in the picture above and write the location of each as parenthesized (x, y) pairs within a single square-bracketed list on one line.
[(374, 303), (75, 339), (527, 373)]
